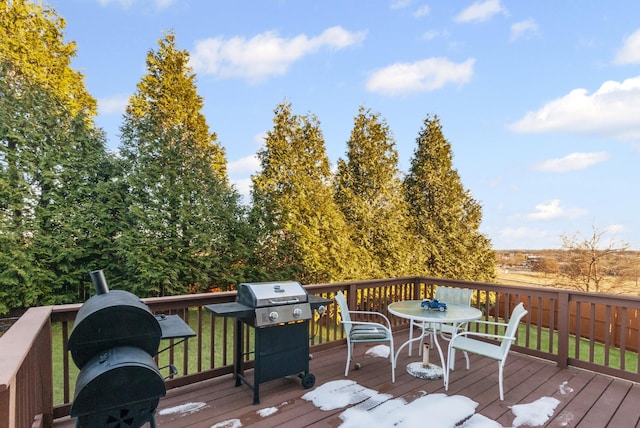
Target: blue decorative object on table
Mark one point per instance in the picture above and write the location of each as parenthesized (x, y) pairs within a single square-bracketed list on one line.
[(434, 304)]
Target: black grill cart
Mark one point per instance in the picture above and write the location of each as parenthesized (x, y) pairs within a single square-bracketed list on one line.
[(279, 313)]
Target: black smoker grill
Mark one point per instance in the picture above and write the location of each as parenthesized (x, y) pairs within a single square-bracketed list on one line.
[(113, 342), (279, 312)]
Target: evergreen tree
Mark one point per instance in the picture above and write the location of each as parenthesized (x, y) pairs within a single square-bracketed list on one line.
[(48, 150), (443, 215), (33, 50), (185, 227), (47, 169), (368, 191), (304, 235)]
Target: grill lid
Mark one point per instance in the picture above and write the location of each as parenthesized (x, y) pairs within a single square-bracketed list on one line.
[(116, 318), (263, 294)]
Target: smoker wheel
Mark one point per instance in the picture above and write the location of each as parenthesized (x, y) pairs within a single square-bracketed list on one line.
[(308, 380)]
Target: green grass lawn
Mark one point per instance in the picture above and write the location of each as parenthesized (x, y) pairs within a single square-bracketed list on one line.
[(174, 355), (583, 346)]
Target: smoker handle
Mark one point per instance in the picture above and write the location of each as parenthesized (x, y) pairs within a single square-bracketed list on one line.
[(286, 302)]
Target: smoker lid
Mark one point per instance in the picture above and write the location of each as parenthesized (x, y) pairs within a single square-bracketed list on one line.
[(117, 318), (259, 294)]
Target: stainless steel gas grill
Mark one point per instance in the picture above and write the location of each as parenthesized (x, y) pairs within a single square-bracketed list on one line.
[(279, 312)]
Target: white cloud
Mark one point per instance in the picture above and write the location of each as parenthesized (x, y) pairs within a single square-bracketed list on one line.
[(426, 75), (629, 53), (572, 162), (248, 164), (243, 186), (480, 11), (113, 105), (265, 54), (422, 11), (430, 35), (615, 228), (523, 29), (399, 4), (611, 111), (240, 172), (550, 210)]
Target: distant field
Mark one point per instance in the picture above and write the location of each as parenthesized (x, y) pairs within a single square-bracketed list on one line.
[(537, 279)]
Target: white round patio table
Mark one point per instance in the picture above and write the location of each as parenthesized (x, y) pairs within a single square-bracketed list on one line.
[(454, 314)]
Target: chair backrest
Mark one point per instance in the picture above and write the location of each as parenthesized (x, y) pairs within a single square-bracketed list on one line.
[(344, 311), (456, 296), (512, 328)]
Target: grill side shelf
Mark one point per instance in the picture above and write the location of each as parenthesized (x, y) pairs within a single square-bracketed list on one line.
[(317, 301), (231, 309)]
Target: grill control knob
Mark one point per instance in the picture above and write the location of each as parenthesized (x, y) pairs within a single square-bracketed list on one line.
[(297, 313), (273, 316)]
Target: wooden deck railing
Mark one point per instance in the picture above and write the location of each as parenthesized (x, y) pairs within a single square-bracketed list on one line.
[(26, 397), (594, 331)]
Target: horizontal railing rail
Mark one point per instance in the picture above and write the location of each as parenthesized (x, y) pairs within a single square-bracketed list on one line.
[(599, 332)]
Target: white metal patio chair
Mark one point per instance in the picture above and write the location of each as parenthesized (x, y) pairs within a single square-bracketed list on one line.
[(466, 341), (457, 296), (365, 331)]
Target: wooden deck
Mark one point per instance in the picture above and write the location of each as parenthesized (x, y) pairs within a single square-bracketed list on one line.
[(586, 399)]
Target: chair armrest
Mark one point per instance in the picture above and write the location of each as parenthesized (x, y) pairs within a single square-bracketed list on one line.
[(492, 323), (378, 314), (478, 334)]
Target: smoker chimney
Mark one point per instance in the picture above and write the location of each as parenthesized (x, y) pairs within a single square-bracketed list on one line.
[(99, 281)]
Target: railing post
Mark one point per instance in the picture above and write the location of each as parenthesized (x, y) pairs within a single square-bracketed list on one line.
[(416, 288), (563, 329), (352, 297)]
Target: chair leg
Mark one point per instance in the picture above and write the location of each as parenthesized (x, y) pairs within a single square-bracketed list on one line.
[(448, 368), (452, 358), (466, 357), (500, 380), (393, 362), (346, 369)]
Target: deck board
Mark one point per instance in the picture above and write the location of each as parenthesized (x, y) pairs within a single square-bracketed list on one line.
[(586, 399)]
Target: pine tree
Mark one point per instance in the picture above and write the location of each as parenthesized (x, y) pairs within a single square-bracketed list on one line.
[(304, 235), (48, 150), (33, 50), (368, 191), (47, 159), (185, 224), (443, 215)]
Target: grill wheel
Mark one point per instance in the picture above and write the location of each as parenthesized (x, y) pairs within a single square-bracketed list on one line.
[(308, 380)]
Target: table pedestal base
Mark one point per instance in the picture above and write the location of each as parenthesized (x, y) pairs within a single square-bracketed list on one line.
[(430, 372)]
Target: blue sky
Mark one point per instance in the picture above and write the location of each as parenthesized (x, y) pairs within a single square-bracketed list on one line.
[(540, 100)]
